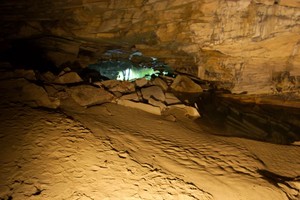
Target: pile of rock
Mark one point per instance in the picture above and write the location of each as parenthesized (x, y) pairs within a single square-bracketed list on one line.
[(159, 96)]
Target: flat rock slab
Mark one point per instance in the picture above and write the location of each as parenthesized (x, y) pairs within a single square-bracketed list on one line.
[(132, 96), (171, 99), (142, 106), (189, 110), (119, 86), (21, 90), (86, 95), (153, 91), (185, 85), (141, 82), (161, 83), (156, 103), (68, 77)]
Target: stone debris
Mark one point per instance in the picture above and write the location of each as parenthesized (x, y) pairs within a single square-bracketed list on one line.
[(47, 77), (171, 99), (142, 106), (153, 91), (120, 86), (161, 83), (68, 77), (189, 110), (141, 82), (171, 118), (155, 99), (132, 96), (21, 90), (185, 85), (18, 73), (36, 95), (86, 95), (117, 94), (159, 104)]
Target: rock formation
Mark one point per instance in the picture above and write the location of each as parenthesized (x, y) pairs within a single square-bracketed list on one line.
[(248, 45)]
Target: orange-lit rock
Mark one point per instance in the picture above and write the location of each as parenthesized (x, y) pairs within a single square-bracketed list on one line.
[(239, 42)]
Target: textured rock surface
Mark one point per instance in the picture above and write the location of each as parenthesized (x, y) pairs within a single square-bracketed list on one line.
[(86, 95), (185, 85), (247, 43), (21, 90), (141, 106), (119, 86), (153, 91), (69, 77)]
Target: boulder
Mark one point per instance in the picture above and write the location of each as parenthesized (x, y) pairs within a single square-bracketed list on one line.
[(153, 91), (171, 99), (161, 83), (141, 106), (27, 74), (18, 73), (189, 110), (56, 91), (37, 96), (68, 77), (171, 118), (184, 84), (141, 82), (186, 90), (51, 90), (132, 96), (156, 103), (21, 90), (167, 79), (117, 94), (119, 86), (87, 95), (47, 77)]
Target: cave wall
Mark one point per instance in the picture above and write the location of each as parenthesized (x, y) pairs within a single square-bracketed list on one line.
[(250, 45)]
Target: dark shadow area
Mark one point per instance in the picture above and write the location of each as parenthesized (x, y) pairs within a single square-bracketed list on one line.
[(263, 122), (27, 54)]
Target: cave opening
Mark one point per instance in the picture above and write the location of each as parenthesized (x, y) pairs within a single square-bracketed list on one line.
[(220, 115)]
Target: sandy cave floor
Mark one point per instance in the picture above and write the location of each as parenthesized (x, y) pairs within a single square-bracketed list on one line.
[(114, 152)]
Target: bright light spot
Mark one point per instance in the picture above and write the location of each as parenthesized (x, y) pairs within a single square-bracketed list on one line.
[(136, 73)]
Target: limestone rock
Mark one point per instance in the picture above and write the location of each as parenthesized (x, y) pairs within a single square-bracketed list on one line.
[(142, 106), (132, 96), (141, 82), (161, 83), (117, 94), (189, 110), (51, 90), (68, 77), (36, 94), (171, 118), (86, 95), (153, 91), (27, 74), (156, 103), (171, 99), (47, 77), (18, 73), (21, 90), (184, 84), (236, 42), (167, 79), (120, 86)]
